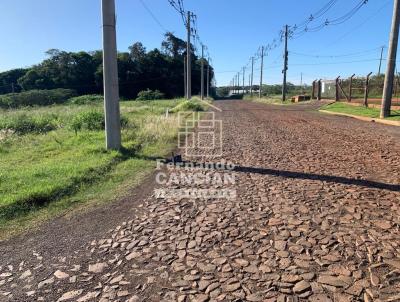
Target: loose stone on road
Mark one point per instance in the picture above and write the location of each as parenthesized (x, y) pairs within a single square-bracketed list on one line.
[(316, 218)]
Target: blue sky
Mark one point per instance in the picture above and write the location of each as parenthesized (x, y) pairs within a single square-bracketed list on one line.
[(233, 30)]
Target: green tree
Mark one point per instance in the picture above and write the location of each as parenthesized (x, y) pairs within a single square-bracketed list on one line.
[(138, 70)]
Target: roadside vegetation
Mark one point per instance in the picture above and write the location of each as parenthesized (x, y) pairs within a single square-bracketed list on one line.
[(52, 137), (270, 94), (359, 111), (273, 99), (159, 69), (53, 157), (268, 91), (36, 98)]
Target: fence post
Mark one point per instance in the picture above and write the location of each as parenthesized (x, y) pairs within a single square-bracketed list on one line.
[(351, 87), (337, 96), (313, 90), (319, 90), (366, 90)]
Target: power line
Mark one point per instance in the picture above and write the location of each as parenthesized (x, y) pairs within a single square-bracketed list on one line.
[(362, 23), (340, 20), (347, 16), (275, 43), (334, 63), (317, 14), (190, 22), (153, 16), (179, 7), (301, 29), (360, 53)]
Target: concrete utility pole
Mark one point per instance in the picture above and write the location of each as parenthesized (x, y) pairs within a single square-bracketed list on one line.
[(244, 72), (202, 73), (380, 61), (235, 84), (261, 74), (301, 83), (110, 71), (252, 76), (189, 60), (391, 62), (285, 67), (184, 76), (238, 82), (208, 78)]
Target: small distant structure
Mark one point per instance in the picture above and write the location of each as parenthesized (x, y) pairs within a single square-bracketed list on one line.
[(300, 98)]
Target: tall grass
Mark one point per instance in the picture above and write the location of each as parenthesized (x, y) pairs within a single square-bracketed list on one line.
[(36, 98), (39, 168), (24, 123)]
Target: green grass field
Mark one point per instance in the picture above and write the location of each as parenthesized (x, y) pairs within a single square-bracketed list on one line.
[(359, 110), (44, 173), (272, 100)]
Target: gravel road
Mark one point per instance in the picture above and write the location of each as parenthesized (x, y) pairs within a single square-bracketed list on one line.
[(316, 217)]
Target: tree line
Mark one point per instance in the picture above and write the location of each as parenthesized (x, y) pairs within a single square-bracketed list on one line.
[(138, 69)]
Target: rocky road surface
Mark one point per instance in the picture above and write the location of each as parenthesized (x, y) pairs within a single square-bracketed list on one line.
[(316, 218)]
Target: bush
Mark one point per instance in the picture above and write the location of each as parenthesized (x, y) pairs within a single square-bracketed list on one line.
[(188, 106), (36, 97), (88, 120), (147, 95), (23, 123), (86, 99), (92, 120)]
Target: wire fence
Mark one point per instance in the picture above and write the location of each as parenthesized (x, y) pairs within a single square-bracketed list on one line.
[(366, 90)]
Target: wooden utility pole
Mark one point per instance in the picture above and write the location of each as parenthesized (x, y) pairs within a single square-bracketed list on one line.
[(366, 90), (337, 92), (380, 61), (319, 91), (202, 73), (261, 72), (110, 77), (391, 62), (189, 60), (184, 76), (313, 90), (208, 78), (252, 76), (285, 67)]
